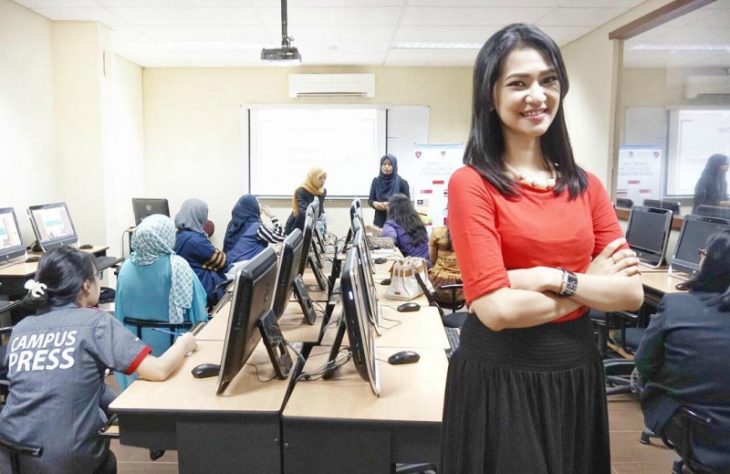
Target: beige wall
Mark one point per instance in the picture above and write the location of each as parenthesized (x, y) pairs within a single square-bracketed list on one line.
[(27, 133), (193, 132)]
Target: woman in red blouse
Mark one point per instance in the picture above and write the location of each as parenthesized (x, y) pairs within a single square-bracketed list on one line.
[(538, 243)]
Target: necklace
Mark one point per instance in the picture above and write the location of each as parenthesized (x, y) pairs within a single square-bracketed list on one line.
[(536, 182)]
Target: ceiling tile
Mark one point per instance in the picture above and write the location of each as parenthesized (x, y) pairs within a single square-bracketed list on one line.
[(209, 33), (333, 16), (97, 14), (580, 16), (445, 33), (485, 3), (600, 3), (33, 4), (402, 57), (187, 16), (468, 16), (565, 34)]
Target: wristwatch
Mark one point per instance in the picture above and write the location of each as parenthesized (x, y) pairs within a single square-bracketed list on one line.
[(569, 283)]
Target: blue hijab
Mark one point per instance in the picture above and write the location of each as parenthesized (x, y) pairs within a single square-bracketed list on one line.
[(387, 185), (245, 213)]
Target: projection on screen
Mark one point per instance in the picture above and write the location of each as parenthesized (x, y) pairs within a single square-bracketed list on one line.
[(286, 142)]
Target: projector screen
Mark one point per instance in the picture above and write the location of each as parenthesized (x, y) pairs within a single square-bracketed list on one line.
[(284, 142)]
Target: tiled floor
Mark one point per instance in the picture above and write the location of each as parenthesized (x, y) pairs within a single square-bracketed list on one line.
[(627, 455)]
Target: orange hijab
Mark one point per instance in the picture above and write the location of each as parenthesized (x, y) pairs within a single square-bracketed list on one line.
[(310, 184)]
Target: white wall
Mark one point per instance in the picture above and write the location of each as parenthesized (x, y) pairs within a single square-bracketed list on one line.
[(27, 133)]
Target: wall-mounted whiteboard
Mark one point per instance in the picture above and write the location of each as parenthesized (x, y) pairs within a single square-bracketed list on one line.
[(281, 143)]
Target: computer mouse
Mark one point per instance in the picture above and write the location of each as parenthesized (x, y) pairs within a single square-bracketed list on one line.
[(408, 307), (33, 258), (86, 246), (385, 281), (380, 260), (404, 357), (202, 371)]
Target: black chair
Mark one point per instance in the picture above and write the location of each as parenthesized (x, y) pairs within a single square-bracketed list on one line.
[(689, 421), (712, 211), (16, 450), (624, 203), (455, 319), (673, 206), (153, 323)]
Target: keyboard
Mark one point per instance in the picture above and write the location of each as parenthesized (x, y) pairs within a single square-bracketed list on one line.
[(452, 334), (102, 263)]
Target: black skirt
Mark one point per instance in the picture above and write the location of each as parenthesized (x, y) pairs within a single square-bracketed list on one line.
[(526, 401)]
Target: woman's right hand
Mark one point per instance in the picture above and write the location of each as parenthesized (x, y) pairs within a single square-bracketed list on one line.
[(613, 259)]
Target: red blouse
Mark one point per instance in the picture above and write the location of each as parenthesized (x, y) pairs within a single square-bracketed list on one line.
[(493, 233)]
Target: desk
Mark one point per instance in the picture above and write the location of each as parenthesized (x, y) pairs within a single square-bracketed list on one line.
[(338, 425), (213, 434)]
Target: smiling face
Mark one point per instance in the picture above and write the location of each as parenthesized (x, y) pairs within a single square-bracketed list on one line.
[(527, 94)]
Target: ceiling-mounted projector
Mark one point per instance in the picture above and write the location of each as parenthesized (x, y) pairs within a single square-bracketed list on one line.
[(287, 54)]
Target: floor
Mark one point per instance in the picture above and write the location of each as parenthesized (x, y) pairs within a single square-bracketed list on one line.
[(627, 455)]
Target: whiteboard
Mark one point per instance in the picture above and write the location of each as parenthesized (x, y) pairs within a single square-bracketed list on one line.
[(281, 144)]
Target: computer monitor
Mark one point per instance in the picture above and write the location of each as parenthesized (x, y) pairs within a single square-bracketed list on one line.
[(289, 280), (251, 318), (307, 256), (355, 210), (143, 207), (693, 236), (648, 233), (712, 211), (357, 225), (365, 267), (359, 331), (52, 225), (11, 243), (663, 204)]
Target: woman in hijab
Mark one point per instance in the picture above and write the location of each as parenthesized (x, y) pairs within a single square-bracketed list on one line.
[(156, 284), (303, 196), (384, 186), (193, 244), (246, 234), (711, 188)]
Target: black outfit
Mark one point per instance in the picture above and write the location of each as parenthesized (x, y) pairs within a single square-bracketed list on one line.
[(304, 199), (683, 359), (381, 189), (525, 379), (710, 190)]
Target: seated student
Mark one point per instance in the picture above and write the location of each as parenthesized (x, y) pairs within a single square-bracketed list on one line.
[(57, 361), (192, 244), (683, 358), (445, 269), (156, 284), (406, 228), (303, 197), (247, 235)]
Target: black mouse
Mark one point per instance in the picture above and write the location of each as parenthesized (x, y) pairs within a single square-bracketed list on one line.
[(33, 258), (385, 281), (380, 260), (86, 246), (202, 371), (404, 357), (408, 307)]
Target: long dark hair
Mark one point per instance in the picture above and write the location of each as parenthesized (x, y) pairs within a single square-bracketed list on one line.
[(63, 270), (714, 274), (404, 214), (485, 147)]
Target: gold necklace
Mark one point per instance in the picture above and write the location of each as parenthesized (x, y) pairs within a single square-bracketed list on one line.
[(536, 182)]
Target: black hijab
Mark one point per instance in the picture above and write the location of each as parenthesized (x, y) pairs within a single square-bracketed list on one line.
[(387, 185)]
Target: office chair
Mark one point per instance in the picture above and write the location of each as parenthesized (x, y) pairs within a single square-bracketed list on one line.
[(712, 211), (624, 203), (663, 204), (454, 320), (15, 450), (4, 383), (689, 421), (153, 323)]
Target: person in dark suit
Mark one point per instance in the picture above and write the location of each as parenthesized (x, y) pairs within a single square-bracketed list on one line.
[(683, 357), (711, 188)]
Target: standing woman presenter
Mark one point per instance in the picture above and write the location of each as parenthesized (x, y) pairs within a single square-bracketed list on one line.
[(538, 243), (387, 183)]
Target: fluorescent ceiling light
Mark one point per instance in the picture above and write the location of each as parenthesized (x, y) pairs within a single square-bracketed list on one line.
[(681, 48), (435, 45)]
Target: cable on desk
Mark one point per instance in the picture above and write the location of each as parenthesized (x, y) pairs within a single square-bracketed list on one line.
[(256, 367), (299, 354), (343, 357), (397, 323)]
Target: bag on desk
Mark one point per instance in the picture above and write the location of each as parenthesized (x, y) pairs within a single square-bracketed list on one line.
[(377, 242), (403, 283)]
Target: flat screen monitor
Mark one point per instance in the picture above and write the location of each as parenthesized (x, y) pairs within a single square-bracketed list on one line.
[(11, 243), (713, 211), (52, 225), (307, 233), (365, 267), (290, 255), (693, 236), (662, 204), (143, 207), (359, 331), (648, 233), (252, 298)]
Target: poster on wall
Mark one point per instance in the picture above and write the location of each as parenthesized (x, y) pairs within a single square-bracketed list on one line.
[(639, 172), (429, 179)]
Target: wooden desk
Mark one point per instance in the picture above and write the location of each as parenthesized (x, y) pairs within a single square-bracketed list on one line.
[(660, 282), (339, 425), (239, 430)]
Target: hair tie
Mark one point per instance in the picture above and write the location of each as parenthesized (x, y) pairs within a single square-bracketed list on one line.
[(35, 288)]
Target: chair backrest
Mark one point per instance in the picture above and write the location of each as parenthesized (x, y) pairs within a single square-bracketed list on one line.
[(712, 211), (427, 293), (165, 326), (624, 203), (689, 421), (663, 204)]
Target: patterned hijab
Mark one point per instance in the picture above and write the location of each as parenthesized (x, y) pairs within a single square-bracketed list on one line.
[(245, 213), (192, 216), (387, 185), (310, 184), (153, 238)]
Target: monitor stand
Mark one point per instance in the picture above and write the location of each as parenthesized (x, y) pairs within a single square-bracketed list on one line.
[(275, 344), (332, 359), (319, 276), (305, 301)]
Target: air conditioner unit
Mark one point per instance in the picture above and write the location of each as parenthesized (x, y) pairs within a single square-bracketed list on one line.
[(706, 85), (332, 85)]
